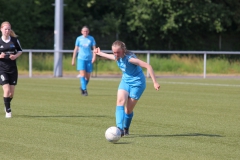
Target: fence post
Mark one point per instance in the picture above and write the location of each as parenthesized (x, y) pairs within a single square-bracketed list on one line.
[(58, 38), (204, 64), (148, 61), (30, 63)]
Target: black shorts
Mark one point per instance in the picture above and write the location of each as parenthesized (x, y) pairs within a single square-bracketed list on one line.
[(9, 78)]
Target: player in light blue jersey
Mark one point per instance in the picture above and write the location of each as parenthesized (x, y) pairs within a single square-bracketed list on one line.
[(132, 84), (85, 58)]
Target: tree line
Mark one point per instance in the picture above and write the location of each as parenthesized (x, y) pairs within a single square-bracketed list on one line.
[(141, 24)]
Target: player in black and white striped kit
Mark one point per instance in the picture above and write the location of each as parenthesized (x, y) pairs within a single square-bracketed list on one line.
[(10, 50)]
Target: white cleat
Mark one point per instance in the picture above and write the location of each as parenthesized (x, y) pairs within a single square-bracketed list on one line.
[(8, 115)]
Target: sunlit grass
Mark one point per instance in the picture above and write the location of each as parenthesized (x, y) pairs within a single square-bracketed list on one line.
[(196, 119)]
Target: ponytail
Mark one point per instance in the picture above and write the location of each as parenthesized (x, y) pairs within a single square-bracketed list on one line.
[(13, 34)]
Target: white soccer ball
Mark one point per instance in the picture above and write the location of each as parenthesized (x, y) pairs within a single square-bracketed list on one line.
[(113, 134)]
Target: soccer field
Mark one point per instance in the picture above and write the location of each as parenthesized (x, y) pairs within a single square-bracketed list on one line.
[(195, 119)]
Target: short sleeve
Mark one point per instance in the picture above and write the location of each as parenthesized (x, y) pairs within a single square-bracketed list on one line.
[(131, 55), (18, 46), (93, 42)]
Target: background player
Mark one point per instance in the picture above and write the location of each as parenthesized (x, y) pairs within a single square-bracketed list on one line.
[(10, 50), (85, 58)]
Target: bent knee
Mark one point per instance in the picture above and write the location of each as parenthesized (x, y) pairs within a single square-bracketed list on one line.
[(121, 102)]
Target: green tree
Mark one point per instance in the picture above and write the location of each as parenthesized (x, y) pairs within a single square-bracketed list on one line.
[(167, 20), (143, 24), (30, 20)]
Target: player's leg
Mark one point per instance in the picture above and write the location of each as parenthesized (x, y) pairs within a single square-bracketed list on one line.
[(84, 83), (121, 100), (8, 98), (87, 78), (134, 96), (89, 69), (4, 80), (82, 72), (8, 82), (131, 103), (83, 79), (122, 96), (12, 90)]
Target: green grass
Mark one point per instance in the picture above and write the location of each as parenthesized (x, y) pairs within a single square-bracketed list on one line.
[(187, 119)]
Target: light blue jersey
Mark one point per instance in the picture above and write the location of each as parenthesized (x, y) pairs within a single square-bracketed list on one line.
[(132, 74), (85, 45), (134, 82)]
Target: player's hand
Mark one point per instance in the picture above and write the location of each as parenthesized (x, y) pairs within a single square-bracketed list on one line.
[(97, 51), (73, 62), (12, 57), (156, 86), (2, 55)]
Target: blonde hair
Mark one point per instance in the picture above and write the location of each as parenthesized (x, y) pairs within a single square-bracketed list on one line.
[(12, 33), (121, 45)]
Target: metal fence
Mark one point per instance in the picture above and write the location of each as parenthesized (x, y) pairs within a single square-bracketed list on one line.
[(204, 53)]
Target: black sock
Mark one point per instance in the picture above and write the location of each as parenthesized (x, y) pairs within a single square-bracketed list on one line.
[(7, 101)]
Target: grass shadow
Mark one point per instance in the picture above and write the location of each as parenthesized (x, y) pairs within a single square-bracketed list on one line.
[(181, 135), (59, 116), (103, 95), (122, 143)]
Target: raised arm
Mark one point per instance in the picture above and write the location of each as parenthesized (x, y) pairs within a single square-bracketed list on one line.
[(102, 54), (149, 69)]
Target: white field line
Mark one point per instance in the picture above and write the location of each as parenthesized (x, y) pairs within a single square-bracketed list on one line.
[(202, 84), (177, 83)]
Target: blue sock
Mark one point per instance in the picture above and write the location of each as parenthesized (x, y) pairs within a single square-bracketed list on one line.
[(120, 116), (83, 83), (128, 120), (87, 82)]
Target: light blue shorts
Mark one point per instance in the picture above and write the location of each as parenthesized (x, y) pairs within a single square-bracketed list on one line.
[(134, 92), (84, 65)]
